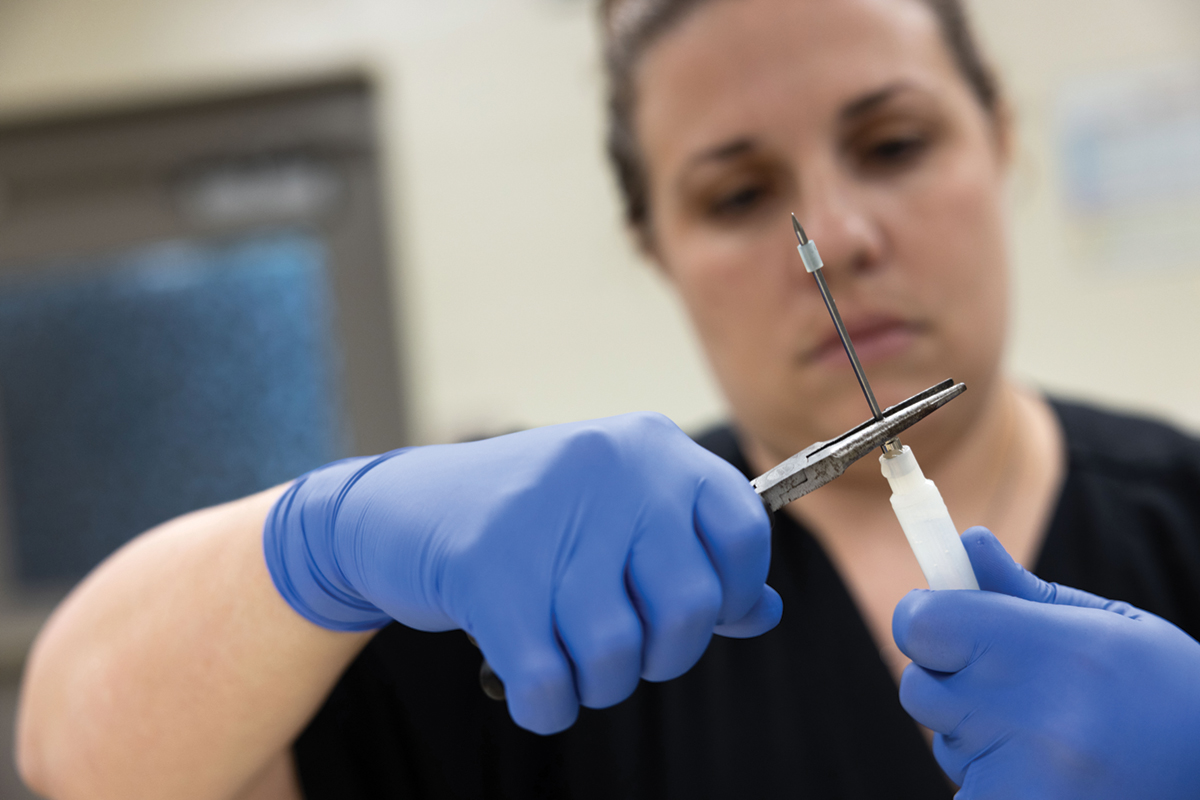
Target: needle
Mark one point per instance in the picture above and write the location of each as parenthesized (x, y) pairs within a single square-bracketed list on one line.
[(813, 263)]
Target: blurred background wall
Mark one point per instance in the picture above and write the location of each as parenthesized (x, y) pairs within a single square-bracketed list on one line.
[(518, 299), (522, 303)]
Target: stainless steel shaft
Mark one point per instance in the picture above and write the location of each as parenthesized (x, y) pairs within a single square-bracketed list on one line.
[(849, 345)]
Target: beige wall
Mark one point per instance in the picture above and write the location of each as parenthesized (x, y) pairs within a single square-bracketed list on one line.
[(1130, 338), (522, 301)]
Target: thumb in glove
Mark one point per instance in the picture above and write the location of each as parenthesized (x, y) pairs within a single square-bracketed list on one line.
[(1040, 690)]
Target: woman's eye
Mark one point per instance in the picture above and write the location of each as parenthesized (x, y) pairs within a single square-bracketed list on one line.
[(895, 152), (737, 202)]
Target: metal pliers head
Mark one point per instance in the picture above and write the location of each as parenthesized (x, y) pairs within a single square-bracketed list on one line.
[(820, 463)]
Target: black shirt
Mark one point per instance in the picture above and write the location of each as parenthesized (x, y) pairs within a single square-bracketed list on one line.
[(807, 710)]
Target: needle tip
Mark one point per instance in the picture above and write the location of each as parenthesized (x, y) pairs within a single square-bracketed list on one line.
[(800, 234)]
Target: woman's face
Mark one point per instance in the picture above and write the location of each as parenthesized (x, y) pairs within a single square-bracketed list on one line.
[(853, 115)]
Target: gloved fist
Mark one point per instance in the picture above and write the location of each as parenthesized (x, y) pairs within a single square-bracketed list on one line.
[(1038, 690), (580, 557)]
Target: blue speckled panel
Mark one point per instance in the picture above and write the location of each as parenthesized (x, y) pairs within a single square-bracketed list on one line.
[(158, 382)]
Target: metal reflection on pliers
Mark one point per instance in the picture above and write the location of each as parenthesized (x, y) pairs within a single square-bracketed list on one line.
[(820, 463)]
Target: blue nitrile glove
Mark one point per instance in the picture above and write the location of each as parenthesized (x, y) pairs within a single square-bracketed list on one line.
[(1038, 690), (580, 557)]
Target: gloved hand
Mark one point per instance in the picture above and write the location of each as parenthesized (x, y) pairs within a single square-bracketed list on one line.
[(1038, 690), (580, 557)]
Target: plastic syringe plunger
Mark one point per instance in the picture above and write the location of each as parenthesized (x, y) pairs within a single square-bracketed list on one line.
[(927, 525)]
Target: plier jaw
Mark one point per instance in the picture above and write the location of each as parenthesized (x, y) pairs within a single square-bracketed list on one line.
[(820, 463)]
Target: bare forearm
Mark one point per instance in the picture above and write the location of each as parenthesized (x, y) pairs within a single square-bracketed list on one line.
[(176, 669)]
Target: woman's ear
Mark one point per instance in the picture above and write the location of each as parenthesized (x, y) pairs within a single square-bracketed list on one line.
[(643, 238)]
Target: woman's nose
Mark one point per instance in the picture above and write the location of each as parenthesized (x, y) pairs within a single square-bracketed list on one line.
[(840, 223)]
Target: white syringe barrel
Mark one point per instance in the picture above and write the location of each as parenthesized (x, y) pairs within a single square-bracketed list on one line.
[(926, 522)]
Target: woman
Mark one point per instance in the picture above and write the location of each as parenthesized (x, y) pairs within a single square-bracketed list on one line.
[(177, 669)]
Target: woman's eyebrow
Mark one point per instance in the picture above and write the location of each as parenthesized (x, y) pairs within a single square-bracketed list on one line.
[(723, 152), (865, 105), (855, 109)]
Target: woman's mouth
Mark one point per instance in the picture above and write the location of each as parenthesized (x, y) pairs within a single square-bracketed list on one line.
[(876, 339)]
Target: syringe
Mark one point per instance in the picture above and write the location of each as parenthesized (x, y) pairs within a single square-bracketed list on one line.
[(915, 499)]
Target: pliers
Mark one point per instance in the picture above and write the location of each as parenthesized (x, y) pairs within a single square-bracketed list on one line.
[(820, 463)]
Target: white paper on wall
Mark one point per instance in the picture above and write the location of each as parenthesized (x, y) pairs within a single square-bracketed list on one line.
[(1129, 156)]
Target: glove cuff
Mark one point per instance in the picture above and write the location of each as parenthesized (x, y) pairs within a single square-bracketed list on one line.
[(299, 542)]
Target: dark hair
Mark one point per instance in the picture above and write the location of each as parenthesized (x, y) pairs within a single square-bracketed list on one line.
[(631, 26)]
